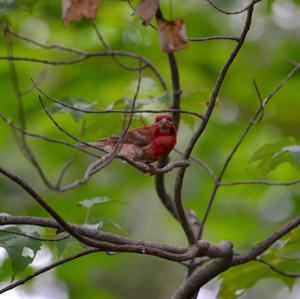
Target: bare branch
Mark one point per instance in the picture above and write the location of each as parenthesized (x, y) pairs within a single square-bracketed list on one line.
[(46, 269), (105, 111), (175, 253), (88, 55), (260, 182), (210, 108), (44, 46), (260, 117), (33, 237), (22, 142), (47, 208), (204, 39), (243, 136), (232, 12), (205, 273), (203, 164), (48, 139), (107, 48)]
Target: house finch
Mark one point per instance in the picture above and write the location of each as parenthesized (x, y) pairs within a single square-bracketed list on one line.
[(146, 144)]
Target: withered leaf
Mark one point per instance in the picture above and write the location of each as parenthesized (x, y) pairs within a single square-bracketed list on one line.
[(147, 10), (75, 10), (172, 35)]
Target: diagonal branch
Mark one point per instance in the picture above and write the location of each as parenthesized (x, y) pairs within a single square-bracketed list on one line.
[(47, 268), (262, 246), (242, 138), (219, 82)]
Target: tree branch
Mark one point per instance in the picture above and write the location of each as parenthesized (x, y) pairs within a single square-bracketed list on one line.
[(242, 138), (205, 273), (46, 269), (210, 108)]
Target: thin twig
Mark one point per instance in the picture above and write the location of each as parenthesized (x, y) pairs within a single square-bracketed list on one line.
[(46, 138), (211, 106), (122, 111), (88, 55), (203, 39), (22, 142), (46, 269), (232, 12), (260, 117), (107, 48), (203, 164), (241, 139), (259, 182), (33, 237)]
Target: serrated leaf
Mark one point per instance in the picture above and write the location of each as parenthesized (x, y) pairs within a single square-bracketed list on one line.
[(89, 203), (20, 249), (272, 155), (74, 102)]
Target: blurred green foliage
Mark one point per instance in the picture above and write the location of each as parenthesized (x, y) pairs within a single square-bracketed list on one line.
[(243, 214)]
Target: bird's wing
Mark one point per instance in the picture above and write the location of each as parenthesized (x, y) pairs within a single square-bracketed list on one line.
[(139, 136)]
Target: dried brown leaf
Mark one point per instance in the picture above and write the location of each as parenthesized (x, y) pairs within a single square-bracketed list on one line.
[(172, 35), (75, 10), (147, 10)]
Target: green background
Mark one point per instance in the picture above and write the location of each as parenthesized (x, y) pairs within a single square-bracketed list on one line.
[(243, 214)]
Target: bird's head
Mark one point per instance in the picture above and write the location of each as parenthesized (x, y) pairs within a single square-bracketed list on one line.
[(164, 123)]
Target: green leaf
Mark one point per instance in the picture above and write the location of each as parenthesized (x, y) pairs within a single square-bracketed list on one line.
[(101, 223), (163, 99), (126, 103), (283, 254), (89, 203), (74, 102), (287, 247), (20, 249), (69, 244), (272, 155), (237, 280)]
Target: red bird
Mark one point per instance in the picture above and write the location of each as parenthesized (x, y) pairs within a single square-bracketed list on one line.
[(146, 144)]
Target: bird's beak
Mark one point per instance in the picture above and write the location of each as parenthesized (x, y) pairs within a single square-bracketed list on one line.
[(164, 122)]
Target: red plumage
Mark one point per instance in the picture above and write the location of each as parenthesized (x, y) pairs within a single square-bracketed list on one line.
[(145, 144)]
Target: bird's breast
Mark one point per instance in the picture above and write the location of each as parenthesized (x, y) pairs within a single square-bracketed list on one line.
[(162, 145)]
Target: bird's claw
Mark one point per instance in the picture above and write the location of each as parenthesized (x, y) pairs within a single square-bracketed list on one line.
[(150, 171)]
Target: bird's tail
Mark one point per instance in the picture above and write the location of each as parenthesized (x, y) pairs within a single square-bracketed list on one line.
[(101, 145)]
